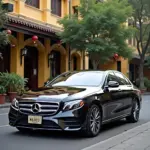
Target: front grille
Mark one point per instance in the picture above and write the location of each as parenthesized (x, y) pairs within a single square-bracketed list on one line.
[(46, 124), (46, 108)]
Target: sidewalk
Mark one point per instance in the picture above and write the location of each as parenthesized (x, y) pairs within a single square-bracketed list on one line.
[(6, 105), (134, 139)]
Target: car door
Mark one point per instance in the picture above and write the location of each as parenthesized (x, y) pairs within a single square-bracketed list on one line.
[(112, 100), (127, 89)]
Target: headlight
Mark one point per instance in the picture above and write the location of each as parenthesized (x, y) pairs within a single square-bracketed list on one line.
[(15, 103), (73, 105)]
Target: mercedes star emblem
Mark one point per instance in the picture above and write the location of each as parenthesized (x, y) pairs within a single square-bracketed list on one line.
[(35, 108)]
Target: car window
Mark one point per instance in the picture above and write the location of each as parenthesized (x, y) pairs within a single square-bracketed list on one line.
[(121, 79), (87, 78), (127, 80), (111, 77)]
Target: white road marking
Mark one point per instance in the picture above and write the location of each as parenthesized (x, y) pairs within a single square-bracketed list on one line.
[(3, 114), (4, 126)]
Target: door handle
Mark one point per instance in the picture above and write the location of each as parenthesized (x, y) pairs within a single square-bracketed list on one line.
[(119, 90)]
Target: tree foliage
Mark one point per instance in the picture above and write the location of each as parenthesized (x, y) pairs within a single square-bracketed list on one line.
[(3, 35), (99, 29), (141, 20)]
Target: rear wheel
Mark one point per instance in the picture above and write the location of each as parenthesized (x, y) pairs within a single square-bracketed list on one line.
[(93, 121), (135, 113)]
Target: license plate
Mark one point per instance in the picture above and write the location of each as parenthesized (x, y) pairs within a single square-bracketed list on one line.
[(34, 119)]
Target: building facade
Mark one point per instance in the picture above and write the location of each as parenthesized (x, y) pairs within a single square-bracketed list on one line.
[(35, 51)]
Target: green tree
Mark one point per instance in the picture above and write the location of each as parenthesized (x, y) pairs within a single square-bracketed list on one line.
[(101, 31), (141, 20), (3, 35)]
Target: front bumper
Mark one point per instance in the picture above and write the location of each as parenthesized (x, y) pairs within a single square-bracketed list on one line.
[(67, 121)]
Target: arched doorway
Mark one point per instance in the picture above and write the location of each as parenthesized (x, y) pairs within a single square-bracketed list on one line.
[(5, 60), (31, 67), (76, 61), (56, 63)]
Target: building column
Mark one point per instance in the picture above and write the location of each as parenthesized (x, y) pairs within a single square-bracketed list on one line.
[(20, 6), (46, 10), (86, 62), (47, 44), (42, 68), (67, 58), (15, 56)]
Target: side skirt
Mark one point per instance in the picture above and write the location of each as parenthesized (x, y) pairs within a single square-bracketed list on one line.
[(114, 119)]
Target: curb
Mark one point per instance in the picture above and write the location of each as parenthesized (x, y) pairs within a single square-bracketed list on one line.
[(5, 105), (120, 138), (143, 94)]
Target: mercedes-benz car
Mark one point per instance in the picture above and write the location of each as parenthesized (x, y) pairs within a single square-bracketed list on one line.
[(77, 101)]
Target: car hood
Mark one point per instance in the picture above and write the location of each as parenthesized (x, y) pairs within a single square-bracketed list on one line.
[(66, 93)]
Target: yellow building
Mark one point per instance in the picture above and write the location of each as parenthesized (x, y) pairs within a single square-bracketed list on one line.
[(33, 25)]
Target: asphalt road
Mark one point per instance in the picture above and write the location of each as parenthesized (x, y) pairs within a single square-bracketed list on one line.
[(11, 139)]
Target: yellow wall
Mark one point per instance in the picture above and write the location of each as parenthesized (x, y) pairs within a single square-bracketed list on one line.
[(112, 65), (44, 15)]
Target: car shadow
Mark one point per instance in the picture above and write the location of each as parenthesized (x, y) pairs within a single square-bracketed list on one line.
[(68, 135)]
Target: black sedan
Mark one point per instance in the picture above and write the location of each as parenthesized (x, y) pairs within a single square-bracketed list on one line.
[(77, 101)]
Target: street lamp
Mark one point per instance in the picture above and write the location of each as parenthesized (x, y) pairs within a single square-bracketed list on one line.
[(23, 53), (50, 58)]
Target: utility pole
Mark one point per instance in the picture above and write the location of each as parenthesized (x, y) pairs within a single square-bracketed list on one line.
[(69, 50)]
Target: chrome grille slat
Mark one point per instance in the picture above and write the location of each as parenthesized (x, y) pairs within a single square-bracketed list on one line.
[(27, 105), (25, 109), (47, 108), (50, 106)]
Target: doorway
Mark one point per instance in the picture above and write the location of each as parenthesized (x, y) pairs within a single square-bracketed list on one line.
[(31, 67), (75, 65), (5, 60), (56, 64)]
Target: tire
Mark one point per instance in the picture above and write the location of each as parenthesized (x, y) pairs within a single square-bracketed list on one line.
[(24, 130), (93, 121), (134, 117)]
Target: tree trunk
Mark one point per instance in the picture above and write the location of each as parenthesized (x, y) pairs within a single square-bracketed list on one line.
[(141, 74), (95, 65)]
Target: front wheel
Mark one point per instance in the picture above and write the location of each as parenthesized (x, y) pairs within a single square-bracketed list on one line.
[(135, 113), (93, 121)]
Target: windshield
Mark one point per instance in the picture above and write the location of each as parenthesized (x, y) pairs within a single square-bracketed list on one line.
[(80, 79)]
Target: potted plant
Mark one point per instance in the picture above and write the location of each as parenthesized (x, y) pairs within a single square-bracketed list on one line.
[(14, 84), (2, 94)]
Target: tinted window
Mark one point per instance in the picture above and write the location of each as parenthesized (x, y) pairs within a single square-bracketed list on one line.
[(34, 3), (111, 77), (121, 79), (80, 79), (56, 7), (127, 81)]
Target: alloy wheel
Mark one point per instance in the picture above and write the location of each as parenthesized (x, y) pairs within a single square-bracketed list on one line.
[(136, 111), (95, 121)]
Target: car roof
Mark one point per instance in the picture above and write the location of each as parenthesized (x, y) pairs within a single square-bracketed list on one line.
[(105, 71)]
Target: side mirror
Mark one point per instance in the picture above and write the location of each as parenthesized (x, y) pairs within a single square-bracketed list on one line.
[(113, 84)]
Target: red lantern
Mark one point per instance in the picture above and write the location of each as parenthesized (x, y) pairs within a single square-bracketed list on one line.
[(13, 45), (34, 38), (59, 42), (116, 56), (9, 32)]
